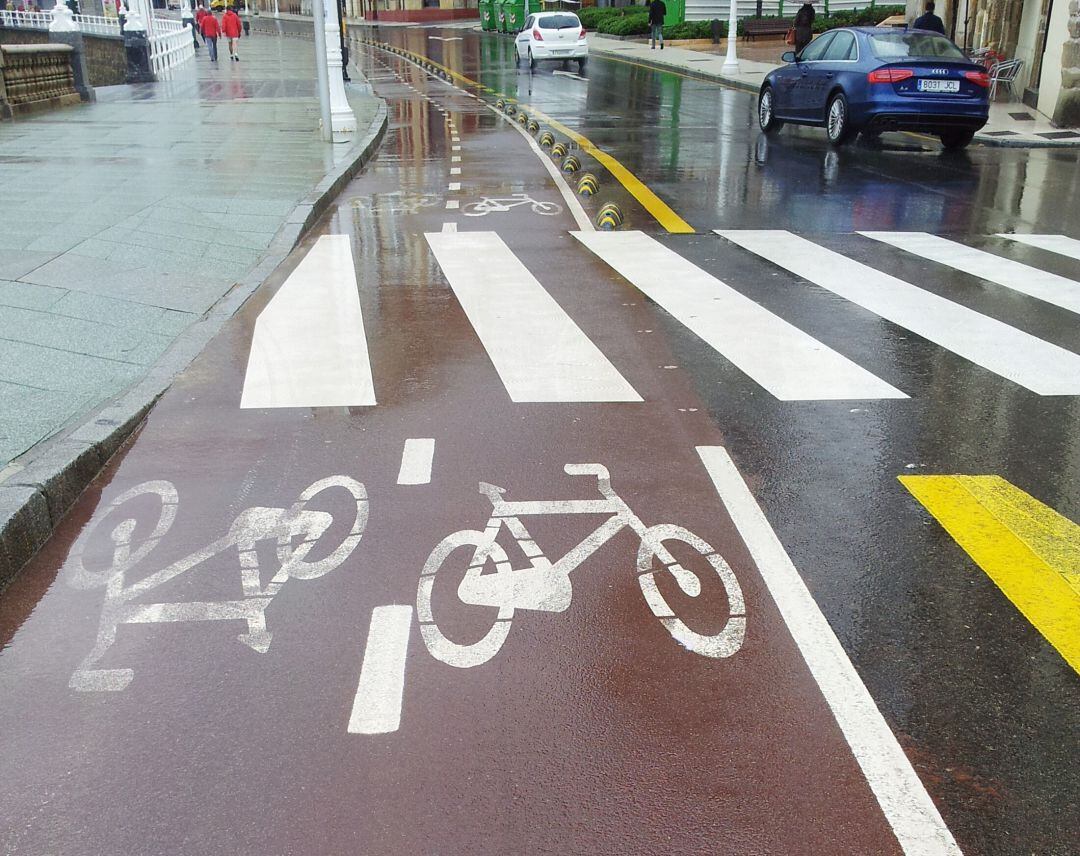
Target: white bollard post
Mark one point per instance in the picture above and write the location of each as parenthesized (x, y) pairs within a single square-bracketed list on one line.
[(62, 19), (731, 61)]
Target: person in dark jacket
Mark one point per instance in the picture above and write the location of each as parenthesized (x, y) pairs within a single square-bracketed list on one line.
[(929, 21), (657, 11), (804, 26)]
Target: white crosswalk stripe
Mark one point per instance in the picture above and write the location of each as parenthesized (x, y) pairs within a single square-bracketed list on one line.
[(1060, 244), (1033, 363), (1058, 290), (538, 350), (309, 348), (787, 362)]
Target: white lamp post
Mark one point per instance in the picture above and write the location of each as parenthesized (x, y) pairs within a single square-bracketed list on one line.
[(731, 62), (338, 119)]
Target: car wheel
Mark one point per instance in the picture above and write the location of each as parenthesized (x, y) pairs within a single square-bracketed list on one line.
[(766, 117), (837, 121), (956, 139), (532, 59)]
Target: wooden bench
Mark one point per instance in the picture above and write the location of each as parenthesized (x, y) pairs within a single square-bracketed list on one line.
[(754, 27)]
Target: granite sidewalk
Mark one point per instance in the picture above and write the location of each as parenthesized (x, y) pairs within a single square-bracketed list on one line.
[(125, 221), (1011, 123), (130, 231)]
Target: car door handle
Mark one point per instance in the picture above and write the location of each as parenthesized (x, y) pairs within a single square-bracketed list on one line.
[(828, 74)]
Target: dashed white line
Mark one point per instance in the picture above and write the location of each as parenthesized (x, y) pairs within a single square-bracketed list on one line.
[(454, 185), (377, 705), (451, 204), (416, 458)]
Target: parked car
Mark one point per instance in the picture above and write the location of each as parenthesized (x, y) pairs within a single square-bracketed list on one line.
[(867, 79), (553, 36)]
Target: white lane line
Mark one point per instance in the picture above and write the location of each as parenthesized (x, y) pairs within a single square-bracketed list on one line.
[(455, 159), (455, 139), (787, 362), (309, 348), (904, 801), (455, 170), (572, 202), (416, 458), (1058, 290), (454, 185), (449, 227), (1031, 362), (451, 204), (455, 148), (377, 705), (1059, 244), (538, 351)]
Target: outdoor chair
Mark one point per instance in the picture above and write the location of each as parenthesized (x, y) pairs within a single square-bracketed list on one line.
[(1005, 73)]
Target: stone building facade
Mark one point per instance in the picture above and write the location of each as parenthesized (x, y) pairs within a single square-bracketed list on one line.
[(1045, 34)]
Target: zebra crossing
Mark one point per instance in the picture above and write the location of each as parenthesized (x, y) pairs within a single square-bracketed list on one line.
[(309, 348)]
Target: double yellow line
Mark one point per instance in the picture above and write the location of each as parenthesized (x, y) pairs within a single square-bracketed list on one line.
[(660, 210)]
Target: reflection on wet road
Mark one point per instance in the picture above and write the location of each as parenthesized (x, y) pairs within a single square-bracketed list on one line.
[(479, 530)]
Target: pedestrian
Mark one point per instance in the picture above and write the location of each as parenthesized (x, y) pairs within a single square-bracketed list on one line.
[(230, 26), (804, 26), (657, 11), (200, 13), (929, 21), (245, 17), (210, 29)]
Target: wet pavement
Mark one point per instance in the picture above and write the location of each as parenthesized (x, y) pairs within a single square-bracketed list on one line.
[(285, 651)]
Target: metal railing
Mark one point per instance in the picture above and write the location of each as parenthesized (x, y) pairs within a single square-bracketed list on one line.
[(26, 20), (98, 25)]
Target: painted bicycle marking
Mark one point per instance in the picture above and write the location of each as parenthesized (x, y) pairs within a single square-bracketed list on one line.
[(545, 586), (502, 204), (295, 530)]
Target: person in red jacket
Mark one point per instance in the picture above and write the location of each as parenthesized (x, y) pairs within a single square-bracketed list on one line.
[(210, 29), (231, 27)]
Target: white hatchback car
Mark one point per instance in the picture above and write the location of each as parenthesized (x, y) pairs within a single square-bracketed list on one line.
[(553, 36)]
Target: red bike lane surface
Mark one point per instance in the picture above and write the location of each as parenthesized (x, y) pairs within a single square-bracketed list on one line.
[(591, 730)]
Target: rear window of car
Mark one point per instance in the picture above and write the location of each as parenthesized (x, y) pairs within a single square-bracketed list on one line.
[(559, 22), (889, 46)]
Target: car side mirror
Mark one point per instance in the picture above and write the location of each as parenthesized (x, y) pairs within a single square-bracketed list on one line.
[(788, 56)]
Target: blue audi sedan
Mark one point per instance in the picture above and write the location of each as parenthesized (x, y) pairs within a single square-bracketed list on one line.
[(874, 79)]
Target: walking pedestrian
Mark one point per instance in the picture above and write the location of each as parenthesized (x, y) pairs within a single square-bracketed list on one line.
[(929, 21), (210, 29), (245, 16), (657, 11), (804, 26), (230, 26)]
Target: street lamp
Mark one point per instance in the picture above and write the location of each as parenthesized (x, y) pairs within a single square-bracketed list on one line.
[(731, 62)]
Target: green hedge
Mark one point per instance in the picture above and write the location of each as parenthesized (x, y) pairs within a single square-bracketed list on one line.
[(634, 21)]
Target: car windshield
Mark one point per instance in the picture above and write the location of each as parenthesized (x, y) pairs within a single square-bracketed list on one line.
[(890, 46), (559, 22)]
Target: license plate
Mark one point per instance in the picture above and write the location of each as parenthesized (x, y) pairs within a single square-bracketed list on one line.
[(939, 86)]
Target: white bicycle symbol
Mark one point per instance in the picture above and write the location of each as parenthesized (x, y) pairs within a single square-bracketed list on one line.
[(546, 586), (502, 204), (296, 531)]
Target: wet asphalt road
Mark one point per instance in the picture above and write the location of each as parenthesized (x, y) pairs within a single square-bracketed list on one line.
[(591, 730)]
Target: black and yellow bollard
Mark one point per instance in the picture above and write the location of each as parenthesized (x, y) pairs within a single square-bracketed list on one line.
[(559, 150), (547, 139), (609, 218), (571, 164), (523, 118), (533, 126), (588, 185), (500, 104)]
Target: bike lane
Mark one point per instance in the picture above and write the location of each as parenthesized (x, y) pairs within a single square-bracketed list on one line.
[(590, 730)]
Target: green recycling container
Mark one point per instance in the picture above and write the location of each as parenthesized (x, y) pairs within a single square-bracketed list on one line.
[(676, 12), (487, 14), (500, 14), (515, 15)]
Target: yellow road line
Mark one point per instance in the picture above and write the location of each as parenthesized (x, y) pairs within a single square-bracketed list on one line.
[(652, 203), (1030, 551)]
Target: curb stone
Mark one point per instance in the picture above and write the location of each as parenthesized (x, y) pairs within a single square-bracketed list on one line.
[(38, 493), (748, 86)]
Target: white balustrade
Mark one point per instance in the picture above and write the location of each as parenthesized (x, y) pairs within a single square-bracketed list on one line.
[(170, 40)]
